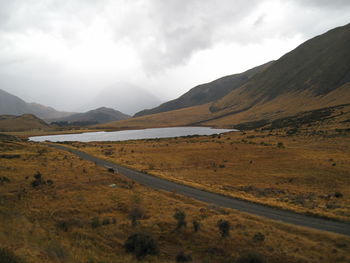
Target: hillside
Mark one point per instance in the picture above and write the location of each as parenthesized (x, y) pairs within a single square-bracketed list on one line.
[(100, 115), (315, 75), (13, 105), (22, 123), (207, 92)]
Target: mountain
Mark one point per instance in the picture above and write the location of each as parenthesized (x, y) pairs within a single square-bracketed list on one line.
[(207, 92), (24, 122), (314, 75), (124, 97), (13, 105), (100, 115), (319, 66)]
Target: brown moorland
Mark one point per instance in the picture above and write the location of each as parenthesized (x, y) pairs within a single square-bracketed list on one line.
[(71, 214), (299, 163)]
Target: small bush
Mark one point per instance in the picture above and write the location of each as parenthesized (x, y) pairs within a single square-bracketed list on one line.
[(338, 195), (182, 257), (135, 215), (4, 179), (196, 226), (38, 180), (280, 145), (7, 256), (224, 227), (259, 237), (95, 222), (63, 225), (49, 182), (141, 245), (251, 257), (180, 216), (105, 221)]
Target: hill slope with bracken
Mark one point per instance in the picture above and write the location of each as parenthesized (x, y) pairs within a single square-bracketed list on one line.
[(24, 122), (315, 75), (207, 92)]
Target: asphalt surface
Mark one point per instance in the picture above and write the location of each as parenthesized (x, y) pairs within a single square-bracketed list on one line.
[(217, 199)]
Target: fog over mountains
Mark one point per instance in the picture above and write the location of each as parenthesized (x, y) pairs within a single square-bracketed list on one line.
[(124, 97)]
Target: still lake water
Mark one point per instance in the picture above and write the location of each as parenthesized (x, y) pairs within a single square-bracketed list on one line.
[(131, 134)]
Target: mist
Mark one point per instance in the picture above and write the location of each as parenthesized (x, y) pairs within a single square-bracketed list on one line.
[(131, 55)]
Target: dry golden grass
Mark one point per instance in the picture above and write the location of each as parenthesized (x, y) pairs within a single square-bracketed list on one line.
[(32, 219), (239, 102), (306, 174), (22, 123)]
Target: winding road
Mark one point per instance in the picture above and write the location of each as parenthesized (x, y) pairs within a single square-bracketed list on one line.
[(217, 199)]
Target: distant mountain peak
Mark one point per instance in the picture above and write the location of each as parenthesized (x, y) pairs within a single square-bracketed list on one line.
[(95, 116), (13, 105)]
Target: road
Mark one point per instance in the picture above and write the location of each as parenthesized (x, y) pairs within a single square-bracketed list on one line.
[(217, 199)]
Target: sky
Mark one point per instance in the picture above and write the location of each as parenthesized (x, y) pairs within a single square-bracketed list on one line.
[(64, 53)]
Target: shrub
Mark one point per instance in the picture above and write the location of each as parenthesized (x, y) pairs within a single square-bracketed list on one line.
[(196, 226), (38, 180), (135, 215), (49, 182), (63, 225), (4, 179), (259, 237), (251, 257), (180, 216), (338, 195), (280, 145), (7, 256), (224, 227), (95, 222), (182, 257), (105, 221), (141, 245)]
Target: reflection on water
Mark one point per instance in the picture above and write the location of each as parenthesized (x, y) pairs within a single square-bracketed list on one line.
[(130, 134)]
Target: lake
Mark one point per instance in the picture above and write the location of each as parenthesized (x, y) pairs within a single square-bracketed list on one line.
[(131, 134)]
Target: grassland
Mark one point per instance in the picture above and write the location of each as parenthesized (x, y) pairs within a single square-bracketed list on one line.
[(305, 169), (56, 221)]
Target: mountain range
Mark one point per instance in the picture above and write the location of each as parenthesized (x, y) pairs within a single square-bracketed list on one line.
[(13, 105), (100, 115), (207, 92), (125, 97), (314, 75)]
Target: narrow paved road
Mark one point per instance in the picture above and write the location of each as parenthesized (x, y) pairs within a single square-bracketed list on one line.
[(217, 199)]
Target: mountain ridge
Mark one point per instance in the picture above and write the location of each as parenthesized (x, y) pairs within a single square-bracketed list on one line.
[(207, 92), (95, 116), (314, 75), (13, 105), (23, 122)]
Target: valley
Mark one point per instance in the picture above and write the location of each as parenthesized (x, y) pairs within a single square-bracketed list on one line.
[(80, 212), (276, 189)]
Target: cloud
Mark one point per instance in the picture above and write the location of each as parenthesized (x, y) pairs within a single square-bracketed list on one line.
[(87, 45)]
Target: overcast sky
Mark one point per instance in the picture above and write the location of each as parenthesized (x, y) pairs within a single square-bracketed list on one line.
[(63, 52)]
